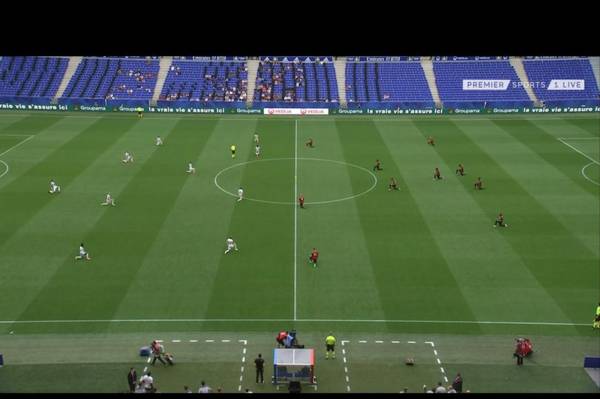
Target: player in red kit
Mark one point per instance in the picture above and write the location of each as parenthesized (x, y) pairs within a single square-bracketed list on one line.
[(314, 256), (301, 201)]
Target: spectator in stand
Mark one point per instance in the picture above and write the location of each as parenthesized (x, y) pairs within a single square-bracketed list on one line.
[(440, 388)]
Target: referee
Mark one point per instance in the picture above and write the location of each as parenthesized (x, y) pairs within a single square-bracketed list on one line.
[(330, 345)]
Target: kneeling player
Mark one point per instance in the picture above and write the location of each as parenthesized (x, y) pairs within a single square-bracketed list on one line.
[(109, 201), (231, 245), (83, 254), (478, 184), (54, 188), (377, 165), (128, 158), (314, 257), (191, 169), (430, 141), (310, 143), (437, 175), (500, 221), (460, 170), (393, 184)]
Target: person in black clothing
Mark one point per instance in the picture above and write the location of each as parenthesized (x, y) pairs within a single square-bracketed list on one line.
[(260, 366), (457, 383), (131, 379)]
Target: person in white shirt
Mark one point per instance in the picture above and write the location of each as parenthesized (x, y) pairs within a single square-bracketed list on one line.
[(256, 140), (231, 245), (204, 388), (159, 141), (83, 254), (191, 169), (54, 188), (257, 151), (109, 200), (147, 381), (240, 194), (127, 157)]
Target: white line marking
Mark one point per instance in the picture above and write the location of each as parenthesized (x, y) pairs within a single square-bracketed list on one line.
[(18, 144), (435, 352), (210, 340), (193, 340), (362, 342), (430, 343), (244, 351), (225, 340), (294, 202), (411, 342), (15, 135), (438, 361), (347, 379), (343, 351), (295, 215), (149, 359), (348, 388), (176, 340), (344, 359), (575, 149), (244, 359), (7, 168), (344, 342), (379, 342), (395, 342), (242, 370), (145, 370), (241, 378), (85, 321), (582, 173), (239, 388), (245, 342), (345, 369), (160, 341), (442, 369), (445, 379)]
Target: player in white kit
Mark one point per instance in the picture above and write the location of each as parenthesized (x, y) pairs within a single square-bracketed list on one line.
[(128, 158), (256, 140), (257, 151), (240, 194), (109, 201), (83, 254), (159, 141), (54, 188), (191, 168), (231, 245)]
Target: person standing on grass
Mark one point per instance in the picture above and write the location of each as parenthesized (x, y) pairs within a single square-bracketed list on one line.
[(131, 379), (157, 353), (301, 200), (314, 257), (187, 389), (460, 170), (478, 184), (457, 384), (597, 318), (436, 174), (260, 366), (377, 165), (330, 346), (204, 388)]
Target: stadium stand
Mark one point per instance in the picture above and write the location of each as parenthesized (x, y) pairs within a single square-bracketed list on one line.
[(32, 78), (450, 75), (112, 79), (542, 72), (387, 84), (297, 81), (222, 83)]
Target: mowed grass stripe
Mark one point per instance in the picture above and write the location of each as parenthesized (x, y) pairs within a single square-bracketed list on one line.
[(120, 239), (345, 272), (257, 281), (22, 196), (57, 229), (407, 263), (191, 238), (591, 125), (547, 147), (531, 164), (562, 265), (486, 268)]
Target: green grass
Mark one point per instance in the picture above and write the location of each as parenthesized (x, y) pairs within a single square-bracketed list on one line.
[(423, 263)]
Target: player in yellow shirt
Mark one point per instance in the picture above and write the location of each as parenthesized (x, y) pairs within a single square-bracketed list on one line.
[(597, 318), (232, 148), (330, 344)]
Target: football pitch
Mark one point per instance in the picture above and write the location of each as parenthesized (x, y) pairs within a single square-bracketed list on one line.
[(417, 272)]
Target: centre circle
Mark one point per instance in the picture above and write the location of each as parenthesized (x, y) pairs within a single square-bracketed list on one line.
[(321, 181)]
